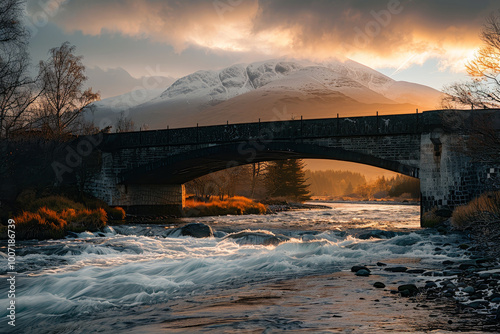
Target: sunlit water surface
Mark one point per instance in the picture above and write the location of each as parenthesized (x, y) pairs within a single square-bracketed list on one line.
[(127, 268)]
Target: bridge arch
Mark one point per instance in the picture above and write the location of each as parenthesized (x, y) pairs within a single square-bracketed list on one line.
[(183, 167), (149, 168)]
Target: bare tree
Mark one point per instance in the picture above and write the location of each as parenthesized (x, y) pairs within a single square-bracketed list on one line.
[(17, 89), (124, 124), (483, 90), (63, 98), (464, 95), (482, 142), (485, 67), (11, 29)]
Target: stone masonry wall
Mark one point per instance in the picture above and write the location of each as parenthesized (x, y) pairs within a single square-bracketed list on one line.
[(447, 177), (401, 148)]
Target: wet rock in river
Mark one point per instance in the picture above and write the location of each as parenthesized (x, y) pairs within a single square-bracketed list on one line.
[(476, 296), (452, 272), (449, 293), (355, 269), (430, 285), (196, 230), (408, 290), (377, 234), (467, 264), (477, 304), (219, 234), (451, 286), (264, 238), (493, 296), (362, 272), (379, 285), (484, 275), (415, 271), (396, 269), (407, 240), (469, 290)]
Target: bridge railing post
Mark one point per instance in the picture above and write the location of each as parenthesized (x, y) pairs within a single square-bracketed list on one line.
[(301, 129), (417, 128)]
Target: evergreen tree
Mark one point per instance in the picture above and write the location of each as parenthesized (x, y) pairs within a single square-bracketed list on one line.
[(349, 189), (286, 178)]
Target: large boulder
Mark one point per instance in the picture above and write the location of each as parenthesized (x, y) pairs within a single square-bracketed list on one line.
[(362, 272), (265, 238), (377, 234), (408, 290), (196, 230), (355, 269)]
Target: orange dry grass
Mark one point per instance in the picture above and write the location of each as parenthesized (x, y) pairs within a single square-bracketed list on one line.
[(86, 220), (48, 224), (116, 213), (44, 224), (481, 210), (236, 205)]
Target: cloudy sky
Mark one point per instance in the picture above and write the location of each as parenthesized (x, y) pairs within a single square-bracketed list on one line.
[(414, 40)]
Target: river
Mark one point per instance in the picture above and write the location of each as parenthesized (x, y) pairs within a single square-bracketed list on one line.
[(135, 278)]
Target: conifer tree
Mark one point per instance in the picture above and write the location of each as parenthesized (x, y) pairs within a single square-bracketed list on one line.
[(286, 178)]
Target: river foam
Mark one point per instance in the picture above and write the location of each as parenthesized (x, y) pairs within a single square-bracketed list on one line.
[(130, 266)]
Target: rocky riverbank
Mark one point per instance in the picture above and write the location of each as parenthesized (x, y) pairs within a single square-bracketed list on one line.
[(274, 208), (466, 291)]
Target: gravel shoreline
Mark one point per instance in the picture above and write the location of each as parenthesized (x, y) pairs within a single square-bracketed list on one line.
[(467, 291)]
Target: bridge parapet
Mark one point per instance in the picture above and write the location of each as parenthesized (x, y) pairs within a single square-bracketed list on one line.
[(279, 130), (421, 145)]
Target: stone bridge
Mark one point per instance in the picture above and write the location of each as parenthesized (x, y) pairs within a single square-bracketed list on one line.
[(146, 170)]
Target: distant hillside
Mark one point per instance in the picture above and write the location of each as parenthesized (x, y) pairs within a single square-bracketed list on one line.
[(274, 90)]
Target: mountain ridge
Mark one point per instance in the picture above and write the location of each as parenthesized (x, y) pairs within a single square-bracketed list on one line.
[(247, 92)]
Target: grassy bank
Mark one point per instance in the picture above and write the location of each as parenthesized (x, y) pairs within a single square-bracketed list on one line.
[(481, 217), (52, 217), (236, 205)]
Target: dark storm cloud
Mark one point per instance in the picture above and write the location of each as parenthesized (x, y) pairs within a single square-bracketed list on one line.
[(380, 25), (379, 32)]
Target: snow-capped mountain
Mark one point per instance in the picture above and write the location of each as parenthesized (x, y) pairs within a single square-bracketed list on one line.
[(274, 90)]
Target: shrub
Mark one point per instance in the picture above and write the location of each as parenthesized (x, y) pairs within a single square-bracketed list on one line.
[(41, 225), (68, 214), (116, 213), (431, 219), (87, 220), (232, 206), (92, 203), (52, 217), (481, 211), (26, 197), (95, 203), (55, 203)]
